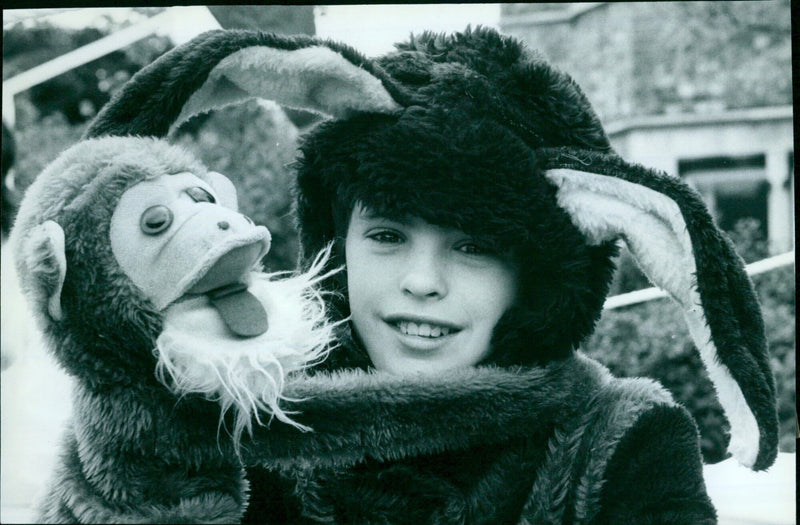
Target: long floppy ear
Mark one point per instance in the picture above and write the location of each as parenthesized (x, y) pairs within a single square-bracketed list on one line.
[(670, 233), (221, 67), (42, 252)]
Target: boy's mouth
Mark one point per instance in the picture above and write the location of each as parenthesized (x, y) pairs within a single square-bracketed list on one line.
[(421, 328)]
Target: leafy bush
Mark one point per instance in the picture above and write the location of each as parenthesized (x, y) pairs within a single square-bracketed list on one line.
[(51, 116), (40, 139), (650, 339), (80, 92)]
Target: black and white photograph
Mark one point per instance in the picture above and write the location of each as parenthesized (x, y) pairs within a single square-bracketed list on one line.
[(399, 264)]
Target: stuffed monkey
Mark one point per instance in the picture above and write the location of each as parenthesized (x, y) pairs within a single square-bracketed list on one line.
[(143, 277)]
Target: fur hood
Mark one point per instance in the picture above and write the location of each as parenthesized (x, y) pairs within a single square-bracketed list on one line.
[(463, 153)]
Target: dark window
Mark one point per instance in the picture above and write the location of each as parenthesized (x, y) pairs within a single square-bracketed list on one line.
[(734, 188)]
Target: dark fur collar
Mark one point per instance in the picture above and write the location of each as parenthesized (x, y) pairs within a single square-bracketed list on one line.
[(356, 414)]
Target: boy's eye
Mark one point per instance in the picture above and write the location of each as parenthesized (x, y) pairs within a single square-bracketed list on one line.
[(198, 194), (385, 237), (472, 248)]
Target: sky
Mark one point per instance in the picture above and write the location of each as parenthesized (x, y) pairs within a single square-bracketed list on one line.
[(185, 22), (372, 29), (388, 24)]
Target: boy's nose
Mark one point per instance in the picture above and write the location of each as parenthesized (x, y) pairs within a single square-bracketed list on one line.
[(424, 277)]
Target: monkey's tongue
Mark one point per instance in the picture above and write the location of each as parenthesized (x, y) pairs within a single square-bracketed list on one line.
[(241, 311)]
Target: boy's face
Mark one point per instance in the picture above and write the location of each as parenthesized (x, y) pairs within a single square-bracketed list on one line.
[(423, 298)]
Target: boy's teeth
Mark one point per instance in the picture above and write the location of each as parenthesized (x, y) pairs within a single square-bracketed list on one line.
[(422, 329)]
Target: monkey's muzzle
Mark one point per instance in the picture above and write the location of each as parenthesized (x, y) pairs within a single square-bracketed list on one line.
[(224, 285), (175, 242)]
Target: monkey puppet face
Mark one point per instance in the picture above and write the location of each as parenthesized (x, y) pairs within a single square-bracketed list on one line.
[(172, 238), (193, 258), (158, 256)]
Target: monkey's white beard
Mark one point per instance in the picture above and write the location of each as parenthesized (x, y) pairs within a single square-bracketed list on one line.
[(198, 354)]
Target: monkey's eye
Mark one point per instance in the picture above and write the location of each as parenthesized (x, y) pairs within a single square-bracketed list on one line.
[(198, 194), (156, 219)]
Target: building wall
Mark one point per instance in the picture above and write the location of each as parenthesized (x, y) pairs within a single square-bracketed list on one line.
[(646, 58), (682, 81), (595, 48)]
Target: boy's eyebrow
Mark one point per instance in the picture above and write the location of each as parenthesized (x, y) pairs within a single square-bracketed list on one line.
[(370, 214)]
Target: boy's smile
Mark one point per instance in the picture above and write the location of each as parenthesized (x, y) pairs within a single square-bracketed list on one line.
[(423, 298), (422, 326), (422, 334)]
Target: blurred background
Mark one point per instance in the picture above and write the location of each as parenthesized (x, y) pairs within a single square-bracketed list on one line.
[(700, 90)]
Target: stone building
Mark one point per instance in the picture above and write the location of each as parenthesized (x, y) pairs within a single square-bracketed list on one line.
[(700, 90)]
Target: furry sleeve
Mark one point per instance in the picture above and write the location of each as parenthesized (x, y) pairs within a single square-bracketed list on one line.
[(656, 474)]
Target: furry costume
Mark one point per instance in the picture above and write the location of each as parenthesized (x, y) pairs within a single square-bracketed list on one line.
[(474, 132), (125, 301)]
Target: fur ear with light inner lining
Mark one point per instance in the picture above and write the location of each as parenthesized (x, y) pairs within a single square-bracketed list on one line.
[(680, 250), (221, 68)]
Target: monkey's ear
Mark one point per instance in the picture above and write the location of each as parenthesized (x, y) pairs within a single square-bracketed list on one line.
[(44, 254), (226, 191)]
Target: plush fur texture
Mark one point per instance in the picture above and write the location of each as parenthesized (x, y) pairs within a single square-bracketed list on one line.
[(462, 173), (555, 433), (458, 161), (476, 124), (315, 85), (604, 207), (156, 423), (467, 162)]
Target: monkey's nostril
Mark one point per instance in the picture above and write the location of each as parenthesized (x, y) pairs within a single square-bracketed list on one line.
[(223, 225)]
